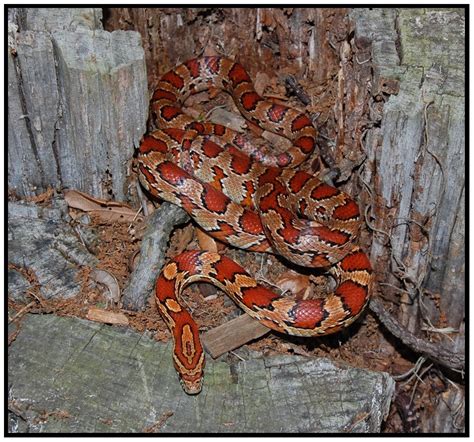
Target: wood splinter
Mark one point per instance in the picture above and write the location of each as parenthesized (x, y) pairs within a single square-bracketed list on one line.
[(232, 334)]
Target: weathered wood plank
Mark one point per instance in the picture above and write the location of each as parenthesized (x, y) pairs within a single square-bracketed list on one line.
[(233, 334), (110, 379)]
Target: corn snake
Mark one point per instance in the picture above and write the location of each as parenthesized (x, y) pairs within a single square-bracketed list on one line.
[(259, 202)]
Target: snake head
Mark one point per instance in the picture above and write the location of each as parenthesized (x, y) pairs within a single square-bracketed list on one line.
[(191, 384)]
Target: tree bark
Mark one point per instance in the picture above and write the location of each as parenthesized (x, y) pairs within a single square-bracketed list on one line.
[(78, 102), (416, 160)]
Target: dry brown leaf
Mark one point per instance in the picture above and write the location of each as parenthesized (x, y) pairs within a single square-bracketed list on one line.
[(194, 113), (109, 280), (180, 239), (205, 241), (281, 20), (298, 285), (213, 92), (267, 19), (193, 100), (187, 234), (119, 214), (107, 317), (42, 197), (226, 118), (83, 201), (133, 261), (109, 211), (277, 140), (262, 80)]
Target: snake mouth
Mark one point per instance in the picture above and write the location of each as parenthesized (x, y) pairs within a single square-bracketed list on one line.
[(191, 387)]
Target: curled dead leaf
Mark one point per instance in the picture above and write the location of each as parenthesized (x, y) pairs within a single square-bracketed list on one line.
[(133, 261), (180, 239), (262, 80), (298, 285), (105, 278), (205, 241), (109, 211)]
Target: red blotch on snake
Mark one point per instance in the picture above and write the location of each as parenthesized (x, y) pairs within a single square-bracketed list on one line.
[(349, 210), (356, 261), (174, 79), (238, 75), (353, 296)]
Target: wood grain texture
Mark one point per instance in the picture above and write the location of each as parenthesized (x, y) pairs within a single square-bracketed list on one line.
[(40, 242), (233, 334), (418, 152), (109, 379), (78, 102), (140, 288)]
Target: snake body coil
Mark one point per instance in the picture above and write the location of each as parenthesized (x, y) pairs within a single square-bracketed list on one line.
[(250, 200)]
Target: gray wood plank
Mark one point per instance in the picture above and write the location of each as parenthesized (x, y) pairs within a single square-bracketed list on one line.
[(110, 379)]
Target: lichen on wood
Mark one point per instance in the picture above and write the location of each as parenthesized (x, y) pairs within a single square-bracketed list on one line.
[(110, 379)]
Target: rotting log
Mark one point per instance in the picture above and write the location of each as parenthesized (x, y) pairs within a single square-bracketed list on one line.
[(419, 153), (416, 159), (42, 244), (77, 102), (69, 375)]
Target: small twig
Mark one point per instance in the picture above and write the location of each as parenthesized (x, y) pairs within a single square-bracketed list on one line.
[(12, 336), (34, 295), (361, 417), (237, 356), (16, 410), (444, 331), (419, 378), (142, 199), (159, 423), (135, 217), (293, 87), (211, 111), (79, 234), (361, 62), (421, 360), (22, 310)]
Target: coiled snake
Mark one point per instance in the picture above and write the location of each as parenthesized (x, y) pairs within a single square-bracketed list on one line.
[(249, 200)]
